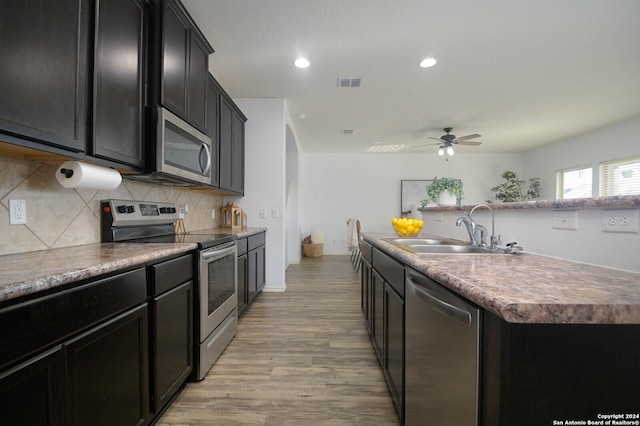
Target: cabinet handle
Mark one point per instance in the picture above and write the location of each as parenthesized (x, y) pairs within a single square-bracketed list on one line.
[(207, 152)]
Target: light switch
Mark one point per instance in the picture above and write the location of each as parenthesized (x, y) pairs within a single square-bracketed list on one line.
[(565, 219)]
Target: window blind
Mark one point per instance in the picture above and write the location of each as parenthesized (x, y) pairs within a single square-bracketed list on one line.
[(620, 177)]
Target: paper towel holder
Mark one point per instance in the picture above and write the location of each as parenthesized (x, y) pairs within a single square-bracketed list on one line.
[(67, 172)]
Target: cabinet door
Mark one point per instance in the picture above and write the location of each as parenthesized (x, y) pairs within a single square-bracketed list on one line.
[(242, 283), (198, 73), (226, 144), (394, 345), (175, 39), (213, 128), (366, 292), (119, 80), (43, 70), (260, 267), (252, 274), (108, 379), (237, 154), (377, 326), (173, 337), (32, 393)]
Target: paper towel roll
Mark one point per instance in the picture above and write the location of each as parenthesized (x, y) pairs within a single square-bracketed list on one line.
[(317, 237), (74, 174)]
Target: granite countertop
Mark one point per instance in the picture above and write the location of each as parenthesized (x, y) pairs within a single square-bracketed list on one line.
[(616, 201), (528, 288), (23, 274), (27, 273)]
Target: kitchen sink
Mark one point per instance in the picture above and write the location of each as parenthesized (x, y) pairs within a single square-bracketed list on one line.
[(436, 245)]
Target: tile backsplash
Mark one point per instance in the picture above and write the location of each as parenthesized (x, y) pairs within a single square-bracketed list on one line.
[(61, 217)]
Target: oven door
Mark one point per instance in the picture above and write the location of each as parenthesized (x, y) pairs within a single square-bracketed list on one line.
[(218, 286)]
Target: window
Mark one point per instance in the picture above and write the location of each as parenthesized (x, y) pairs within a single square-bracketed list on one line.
[(574, 183), (620, 177)]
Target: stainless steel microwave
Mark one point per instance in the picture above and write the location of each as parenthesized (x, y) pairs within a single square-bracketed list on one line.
[(182, 150)]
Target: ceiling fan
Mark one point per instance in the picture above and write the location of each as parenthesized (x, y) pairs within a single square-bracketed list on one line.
[(447, 141)]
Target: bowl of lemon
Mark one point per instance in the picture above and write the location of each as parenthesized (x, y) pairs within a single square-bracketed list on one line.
[(407, 227)]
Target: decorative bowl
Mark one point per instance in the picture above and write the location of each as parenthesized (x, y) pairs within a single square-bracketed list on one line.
[(407, 227)]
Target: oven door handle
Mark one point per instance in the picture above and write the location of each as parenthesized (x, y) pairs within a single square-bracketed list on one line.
[(223, 250)]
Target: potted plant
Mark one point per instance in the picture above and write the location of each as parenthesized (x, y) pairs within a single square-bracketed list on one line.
[(512, 188), (444, 191)]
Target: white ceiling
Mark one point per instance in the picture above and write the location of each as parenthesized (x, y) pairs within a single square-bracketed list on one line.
[(522, 73)]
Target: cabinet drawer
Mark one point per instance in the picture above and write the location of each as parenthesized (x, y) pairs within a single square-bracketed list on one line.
[(171, 273), (35, 324), (256, 241), (390, 269), (242, 246)]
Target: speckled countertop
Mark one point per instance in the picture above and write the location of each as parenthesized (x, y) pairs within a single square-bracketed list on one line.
[(528, 288), (617, 201), (23, 274)]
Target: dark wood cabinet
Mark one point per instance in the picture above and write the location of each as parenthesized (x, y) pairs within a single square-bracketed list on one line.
[(32, 393), (232, 123), (184, 65), (108, 372), (251, 269), (119, 79), (45, 85), (171, 328), (214, 93), (384, 311)]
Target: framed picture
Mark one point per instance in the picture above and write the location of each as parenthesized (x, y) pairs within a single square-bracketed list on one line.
[(412, 192)]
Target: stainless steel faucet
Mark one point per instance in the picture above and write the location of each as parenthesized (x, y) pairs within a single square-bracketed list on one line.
[(477, 233)]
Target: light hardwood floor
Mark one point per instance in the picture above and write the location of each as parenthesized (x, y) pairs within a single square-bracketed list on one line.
[(302, 357)]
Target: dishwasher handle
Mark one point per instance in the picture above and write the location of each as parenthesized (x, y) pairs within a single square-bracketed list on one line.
[(423, 292)]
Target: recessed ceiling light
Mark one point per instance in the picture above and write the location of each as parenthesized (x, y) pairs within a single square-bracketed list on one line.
[(302, 63), (428, 62)]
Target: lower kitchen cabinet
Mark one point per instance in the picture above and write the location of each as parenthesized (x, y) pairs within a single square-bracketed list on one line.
[(32, 393), (108, 372), (387, 321), (110, 351), (251, 268)]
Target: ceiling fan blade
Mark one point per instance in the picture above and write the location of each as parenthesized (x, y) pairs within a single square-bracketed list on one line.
[(473, 136), (427, 144), (470, 143), (435, 139)]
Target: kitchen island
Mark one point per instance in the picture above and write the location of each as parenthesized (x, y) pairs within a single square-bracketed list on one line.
[(557, 341)]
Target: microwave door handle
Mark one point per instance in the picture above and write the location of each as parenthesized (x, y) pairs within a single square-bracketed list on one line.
[(204, 147)]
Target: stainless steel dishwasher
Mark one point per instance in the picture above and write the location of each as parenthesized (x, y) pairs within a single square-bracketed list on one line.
[(442, 355)]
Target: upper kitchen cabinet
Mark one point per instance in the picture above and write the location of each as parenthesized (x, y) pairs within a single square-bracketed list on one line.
[(119, 101), (73, 78), (231, 146), (183, 63), (44, 84)]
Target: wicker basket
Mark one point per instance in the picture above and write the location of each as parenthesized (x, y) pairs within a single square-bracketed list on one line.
[(311, 250)]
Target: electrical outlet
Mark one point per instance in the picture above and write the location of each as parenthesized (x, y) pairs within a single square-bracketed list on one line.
[(262, 213), (213, 213), (17, 212), (620, 220), (275, 213)]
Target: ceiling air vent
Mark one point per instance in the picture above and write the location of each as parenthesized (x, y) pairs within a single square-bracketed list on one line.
[(346, 131), (350, 81)]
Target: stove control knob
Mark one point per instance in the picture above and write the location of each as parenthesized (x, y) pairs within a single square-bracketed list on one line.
[(172, 209), (131, 209), (121, 209), (163, 210)]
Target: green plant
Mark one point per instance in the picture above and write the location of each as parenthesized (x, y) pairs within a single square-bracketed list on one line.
[(512, 188), (438, 185)]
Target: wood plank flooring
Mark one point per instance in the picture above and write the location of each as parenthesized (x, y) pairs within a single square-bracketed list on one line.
[(302, 357)]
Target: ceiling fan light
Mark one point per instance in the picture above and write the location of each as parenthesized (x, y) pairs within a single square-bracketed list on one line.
[(441, 151), (449, 150)]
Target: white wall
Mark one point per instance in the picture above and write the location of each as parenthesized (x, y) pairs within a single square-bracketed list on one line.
[(265, 179), (590, 149), (293, 232), (367, 186)]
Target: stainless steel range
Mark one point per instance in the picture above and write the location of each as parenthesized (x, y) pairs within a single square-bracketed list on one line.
[(216, 304)]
